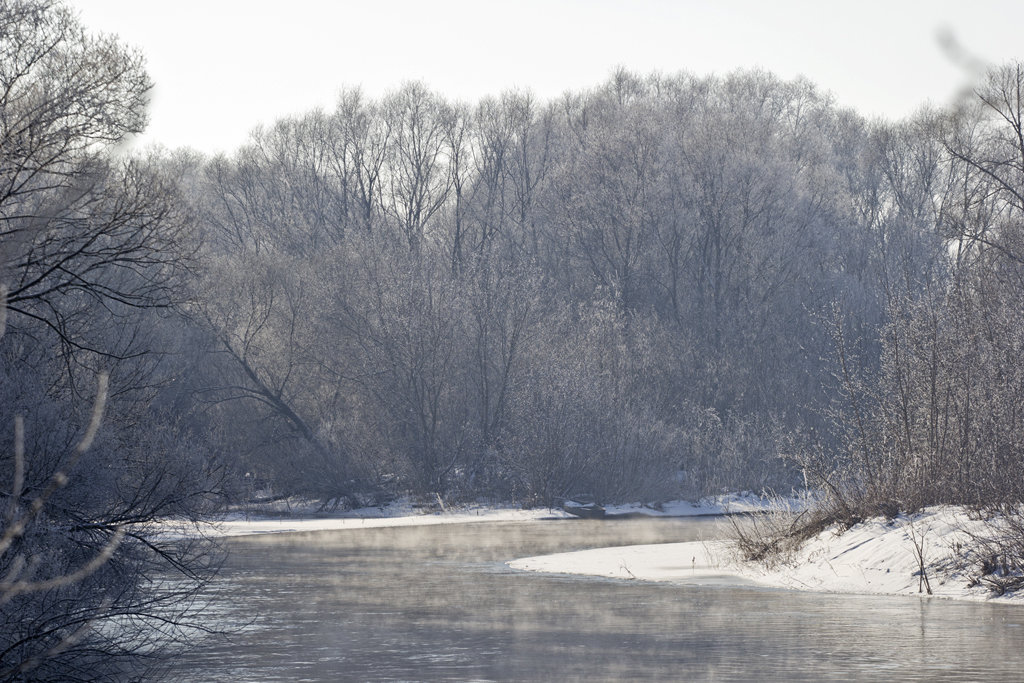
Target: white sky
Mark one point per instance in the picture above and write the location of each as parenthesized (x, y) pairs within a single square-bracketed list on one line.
[(221, 67)]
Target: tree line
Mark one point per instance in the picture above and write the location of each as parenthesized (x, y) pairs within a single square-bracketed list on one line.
[(662, 286), (621, 292)]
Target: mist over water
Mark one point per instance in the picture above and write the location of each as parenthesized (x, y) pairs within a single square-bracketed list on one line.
[(438, 603)]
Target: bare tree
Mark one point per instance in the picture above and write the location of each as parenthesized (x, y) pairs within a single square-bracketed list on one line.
[(417, 165), (90, 248)]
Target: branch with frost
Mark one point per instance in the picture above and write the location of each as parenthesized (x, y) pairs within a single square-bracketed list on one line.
[(17, 579)]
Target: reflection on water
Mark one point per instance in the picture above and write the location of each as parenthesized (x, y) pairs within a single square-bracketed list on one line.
[(437, 603)]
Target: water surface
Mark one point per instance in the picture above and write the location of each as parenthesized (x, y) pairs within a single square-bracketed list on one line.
[(438, 604)]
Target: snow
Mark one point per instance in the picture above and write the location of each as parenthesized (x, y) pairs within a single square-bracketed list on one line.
[(727, 503), (404, 513), (694, 562), (394, 515), (874, 557)]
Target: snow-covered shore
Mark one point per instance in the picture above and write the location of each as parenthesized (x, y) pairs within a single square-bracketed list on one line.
[(874, 557), (237, 524), (405, 513)]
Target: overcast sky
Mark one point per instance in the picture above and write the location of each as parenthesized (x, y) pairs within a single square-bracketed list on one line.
[(221, 67)]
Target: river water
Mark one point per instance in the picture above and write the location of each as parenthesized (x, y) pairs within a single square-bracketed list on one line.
[(437, 603)]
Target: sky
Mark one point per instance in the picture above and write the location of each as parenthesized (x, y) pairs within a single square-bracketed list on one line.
[(222, 67)]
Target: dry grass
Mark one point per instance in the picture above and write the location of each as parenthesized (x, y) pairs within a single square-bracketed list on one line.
[(774, 537), (1000, 552)]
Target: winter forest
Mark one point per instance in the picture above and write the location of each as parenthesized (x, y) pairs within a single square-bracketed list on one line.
[(665, 286)]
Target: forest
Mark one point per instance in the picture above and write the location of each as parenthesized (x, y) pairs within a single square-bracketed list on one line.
[(665, 286)]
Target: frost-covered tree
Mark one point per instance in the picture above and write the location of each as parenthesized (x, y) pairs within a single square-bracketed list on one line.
[(93, 252)]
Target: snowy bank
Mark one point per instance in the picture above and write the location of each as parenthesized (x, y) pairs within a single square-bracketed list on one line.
[(694, 562), (238, 524), (874, 557), (405, 513), (725, 504)]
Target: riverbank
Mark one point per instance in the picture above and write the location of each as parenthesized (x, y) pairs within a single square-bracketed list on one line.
[(873, 557), (299, 516)]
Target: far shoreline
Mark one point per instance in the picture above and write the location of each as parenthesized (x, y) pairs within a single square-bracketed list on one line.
[(305, 518)]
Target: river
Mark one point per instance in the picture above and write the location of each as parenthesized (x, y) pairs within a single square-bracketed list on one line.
[(438, 604)]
